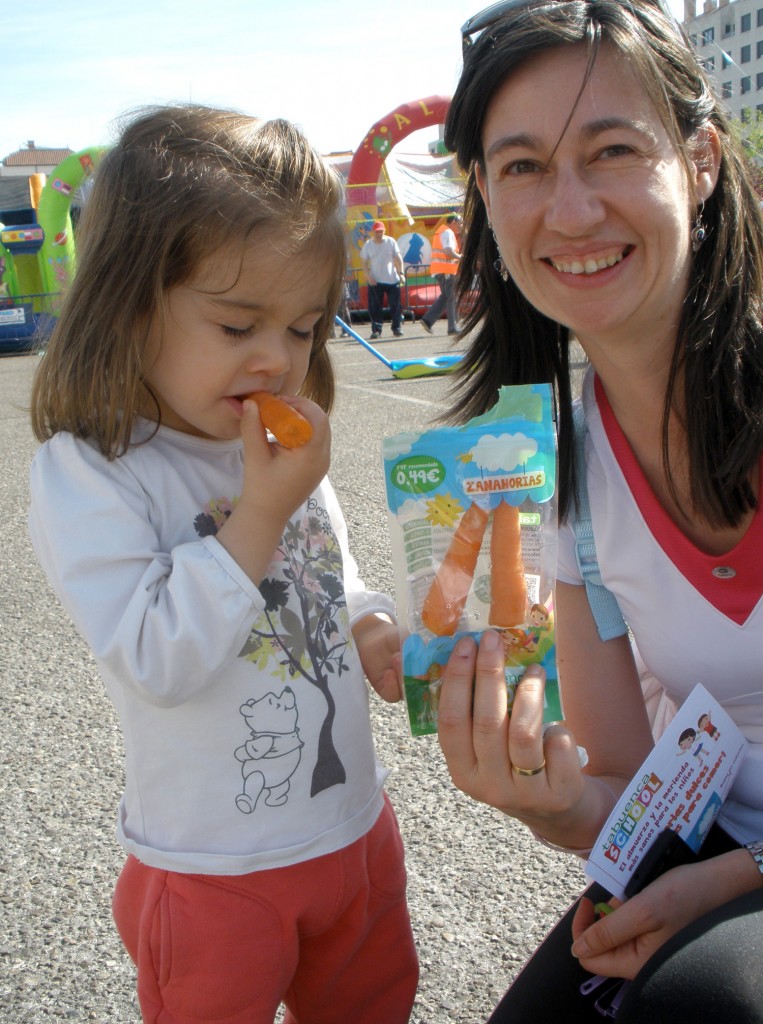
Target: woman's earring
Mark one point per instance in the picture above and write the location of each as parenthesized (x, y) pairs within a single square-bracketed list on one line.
[(501, 268), (698, 232), (499, 265)]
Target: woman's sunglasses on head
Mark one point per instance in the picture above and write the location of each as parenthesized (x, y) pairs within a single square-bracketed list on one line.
[(490, 15), (484, 19)]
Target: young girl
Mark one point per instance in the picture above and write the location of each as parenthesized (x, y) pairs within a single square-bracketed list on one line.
[(208, 569)]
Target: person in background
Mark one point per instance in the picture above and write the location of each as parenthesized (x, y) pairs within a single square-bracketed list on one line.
[(208, 569), (384, 269), (608, 200), (444, 267)]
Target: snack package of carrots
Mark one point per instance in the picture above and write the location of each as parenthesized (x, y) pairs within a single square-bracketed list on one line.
[(473, 525)]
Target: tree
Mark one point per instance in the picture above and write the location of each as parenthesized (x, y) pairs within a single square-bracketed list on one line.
[(749, 132)]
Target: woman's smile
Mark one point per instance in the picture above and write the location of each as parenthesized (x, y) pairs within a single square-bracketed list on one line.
[(587, 265)]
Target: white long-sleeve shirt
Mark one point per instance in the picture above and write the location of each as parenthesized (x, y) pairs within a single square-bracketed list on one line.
[(244, 711)]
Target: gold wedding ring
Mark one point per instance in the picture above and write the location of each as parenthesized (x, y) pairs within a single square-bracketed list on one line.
[(529, 771)]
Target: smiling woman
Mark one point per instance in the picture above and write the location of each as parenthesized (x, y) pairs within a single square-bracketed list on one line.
[(608, 202)]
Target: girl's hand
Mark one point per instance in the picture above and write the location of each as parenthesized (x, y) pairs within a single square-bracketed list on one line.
[(378, 643), (620, 943), (282, 478), (277, 481), (482, 745)]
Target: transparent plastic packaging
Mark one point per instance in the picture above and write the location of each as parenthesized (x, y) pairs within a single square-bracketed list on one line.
[(473, 524)]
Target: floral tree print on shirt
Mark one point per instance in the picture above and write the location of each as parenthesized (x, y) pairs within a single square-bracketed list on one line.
[(307, 641), (298, 632), (208, 522)]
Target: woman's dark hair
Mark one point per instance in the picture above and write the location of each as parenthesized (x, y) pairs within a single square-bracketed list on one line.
[(718, 356), (181, 183)]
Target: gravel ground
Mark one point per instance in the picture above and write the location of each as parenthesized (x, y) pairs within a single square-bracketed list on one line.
[(482, 892)]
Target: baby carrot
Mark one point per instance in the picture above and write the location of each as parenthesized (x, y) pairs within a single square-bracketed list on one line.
[(508, 597), (289, 427), (447, 596)]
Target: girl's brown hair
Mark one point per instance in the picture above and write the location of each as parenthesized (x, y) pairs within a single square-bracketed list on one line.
[(180, 183)]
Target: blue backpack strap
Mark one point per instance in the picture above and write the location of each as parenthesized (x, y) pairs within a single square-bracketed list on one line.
[(604, 606)]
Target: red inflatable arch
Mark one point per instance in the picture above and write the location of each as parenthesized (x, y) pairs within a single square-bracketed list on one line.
[(381, 138)]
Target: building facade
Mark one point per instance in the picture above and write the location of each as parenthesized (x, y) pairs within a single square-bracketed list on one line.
[(728, 36)]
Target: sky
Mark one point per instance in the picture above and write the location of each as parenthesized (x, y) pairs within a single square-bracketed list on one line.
[(335, 67)]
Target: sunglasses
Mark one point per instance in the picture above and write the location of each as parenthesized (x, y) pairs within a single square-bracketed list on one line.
[(493, 13), (484, 19)]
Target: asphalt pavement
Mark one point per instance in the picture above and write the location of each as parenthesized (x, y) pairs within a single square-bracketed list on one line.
[(482, 892)]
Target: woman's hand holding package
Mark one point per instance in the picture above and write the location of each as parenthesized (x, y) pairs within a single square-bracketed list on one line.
[(506, 760), (277, 480)]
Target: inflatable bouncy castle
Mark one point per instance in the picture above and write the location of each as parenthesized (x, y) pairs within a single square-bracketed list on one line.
[(37, 251), (374, 194)]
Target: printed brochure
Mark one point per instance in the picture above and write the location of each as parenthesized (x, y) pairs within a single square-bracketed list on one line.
[(681, 785)]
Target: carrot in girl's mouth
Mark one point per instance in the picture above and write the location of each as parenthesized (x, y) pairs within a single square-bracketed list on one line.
[(288, 427)]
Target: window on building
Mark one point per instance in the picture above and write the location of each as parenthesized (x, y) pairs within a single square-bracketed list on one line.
[(726, 93), (745, 115), (745, 84), (759, 18), (745, 23), (745, 55), (708, 35), (759, 49), (728, 29), (759, 80), (726, 59), (709, 63)]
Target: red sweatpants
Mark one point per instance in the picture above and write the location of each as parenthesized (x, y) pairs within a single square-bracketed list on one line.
[(330, 938)]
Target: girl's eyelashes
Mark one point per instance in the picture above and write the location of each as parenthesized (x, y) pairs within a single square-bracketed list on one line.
[(247, 332), (238, 332)]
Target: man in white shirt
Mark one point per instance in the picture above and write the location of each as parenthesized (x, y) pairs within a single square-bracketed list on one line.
[(384, 269)]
